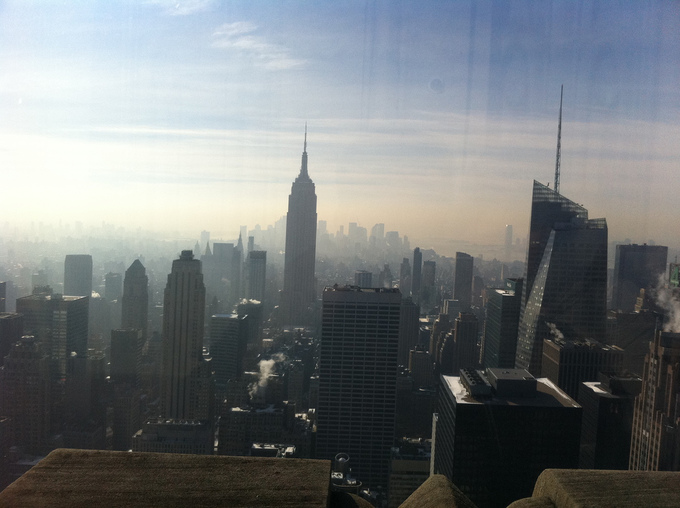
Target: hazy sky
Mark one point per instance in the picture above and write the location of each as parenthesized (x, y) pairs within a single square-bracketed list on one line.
[(432, 117)]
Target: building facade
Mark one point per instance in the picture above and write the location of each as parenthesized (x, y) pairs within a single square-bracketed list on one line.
[(496, 431), (78, 275), (299, 284), (565, 287), (135, 299), (655, 445), (500, 327), (358, 379), (462, 284), (183, 370)]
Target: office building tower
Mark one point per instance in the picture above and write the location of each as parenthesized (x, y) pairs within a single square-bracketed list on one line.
[(409, 329), (135, 299), (459, 349), (508, 244), (11, 330), (358, 378), (417, 274), (636, 267), (565, 287), (363, 279), (183, 366), (78, 275), (500, 327), (405, 277), (227, 348), (126, 416), (409, 468), (299, 290), (25, 395), (441, 326), (59, 323), (126, 356), (113, 286), (84, 402), (462, 284), (607, 421), (251, 311), (256, 275), (655, 445), (429, 296), (569, 363), (421, 367), (496, 431)]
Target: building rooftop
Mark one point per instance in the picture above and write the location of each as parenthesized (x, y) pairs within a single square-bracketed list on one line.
[(547, 394)]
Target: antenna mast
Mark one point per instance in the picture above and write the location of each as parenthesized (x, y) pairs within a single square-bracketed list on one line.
[(559, 143)]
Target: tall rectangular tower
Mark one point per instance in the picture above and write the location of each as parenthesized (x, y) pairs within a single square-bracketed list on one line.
[(462, 285), (358, 378), (183, 314), (500, 327), (78, 275), (257, 274), (135, 308), (565, 287), (300, 256)]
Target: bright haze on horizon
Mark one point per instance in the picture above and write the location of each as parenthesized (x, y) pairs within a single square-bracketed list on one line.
[(432, 118)]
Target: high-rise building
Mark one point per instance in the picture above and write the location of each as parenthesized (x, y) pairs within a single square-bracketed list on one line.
[(300, 255), (11, 330), (78, 275), (636, 267), (569, 363), (409, 329), (126, 356), (25, 395), (496, 431), (405, 277), (59, 323), (607, 421), (565, 287), (508, 243), (500, 327), (655, 445), (113, 286), (429, 296), (417, 274), (363, 279), (183, 366), (135, 310), (358, 379), (458, 350), (257, 274), (462, 285), (227, 348)]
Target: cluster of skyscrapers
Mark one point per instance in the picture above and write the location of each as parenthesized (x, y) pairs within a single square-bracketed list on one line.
[(506, 378)]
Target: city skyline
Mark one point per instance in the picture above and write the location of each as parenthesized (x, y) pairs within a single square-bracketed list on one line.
[(448, 109)]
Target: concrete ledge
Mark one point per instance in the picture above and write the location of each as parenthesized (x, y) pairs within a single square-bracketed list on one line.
[(437, 492), (571, 488), (105, 479)]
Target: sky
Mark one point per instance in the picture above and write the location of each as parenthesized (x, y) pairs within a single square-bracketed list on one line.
[(431, 117)]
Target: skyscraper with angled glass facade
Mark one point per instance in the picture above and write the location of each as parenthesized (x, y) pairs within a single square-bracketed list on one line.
[(565, 288)]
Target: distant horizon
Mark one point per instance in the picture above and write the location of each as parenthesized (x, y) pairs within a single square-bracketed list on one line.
[(432, 118)]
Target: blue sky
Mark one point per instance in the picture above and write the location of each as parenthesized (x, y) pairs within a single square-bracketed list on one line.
[(432, 117)]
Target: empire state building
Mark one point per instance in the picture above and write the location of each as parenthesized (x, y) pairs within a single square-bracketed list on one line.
[(298, 273)]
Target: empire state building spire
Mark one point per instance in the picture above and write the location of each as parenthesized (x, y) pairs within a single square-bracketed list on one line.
[(303, 168), (299, 284)]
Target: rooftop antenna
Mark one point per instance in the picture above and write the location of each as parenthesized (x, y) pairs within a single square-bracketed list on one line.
[(559, 143)]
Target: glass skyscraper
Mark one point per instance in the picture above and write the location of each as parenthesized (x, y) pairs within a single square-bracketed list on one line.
[(565, 290)]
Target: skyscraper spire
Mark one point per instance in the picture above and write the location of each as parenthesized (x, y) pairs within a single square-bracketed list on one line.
[(303, 168), (559, 142)]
